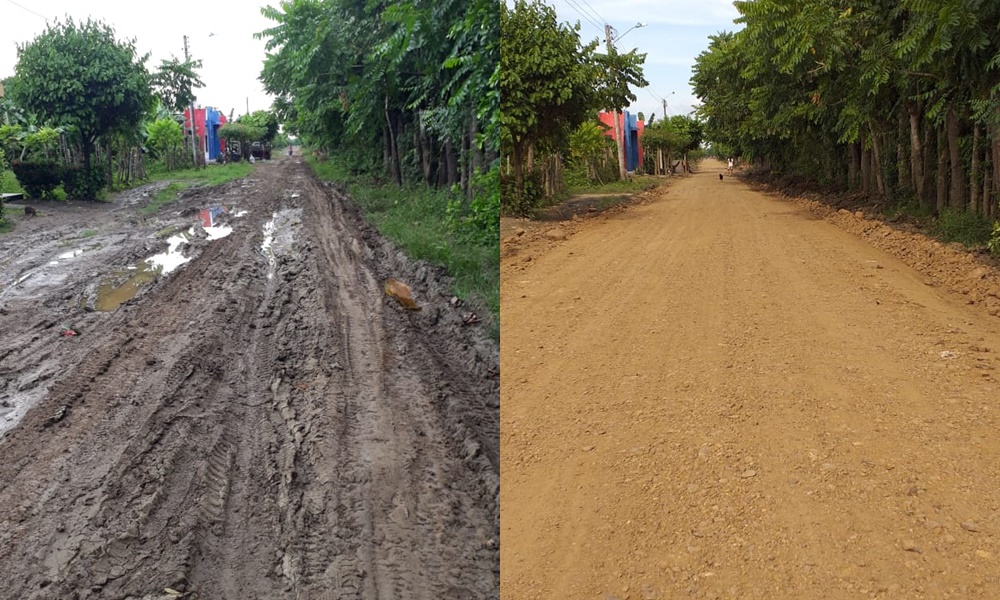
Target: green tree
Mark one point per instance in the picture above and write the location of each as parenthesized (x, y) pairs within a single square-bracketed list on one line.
[(618, 73), (243, 134), (546, 82), (166, 137), (264, 121), (175, 81), (79, 75)]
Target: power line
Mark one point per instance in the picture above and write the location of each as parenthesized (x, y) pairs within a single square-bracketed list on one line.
[(43, 17), (593, 11), (572, 4)]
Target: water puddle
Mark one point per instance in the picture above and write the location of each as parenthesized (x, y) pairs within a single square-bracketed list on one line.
[(266, 246), (111, 294), (217, 233), (122, 286), (168, 261), (72, 254), (209, 221)]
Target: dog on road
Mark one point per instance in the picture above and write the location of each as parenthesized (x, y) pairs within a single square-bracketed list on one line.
[(29, 211), (720, 176)]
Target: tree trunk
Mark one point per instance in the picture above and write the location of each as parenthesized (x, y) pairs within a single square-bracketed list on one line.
[(877, 163), (957, 195), (451, 164), (986, 204), (930, 153), (866, 170), (996, 161), (974, 172), (916, 151), (942, 170), (465, 159), (902, 161), (397, 176), (518, 151), (853, 165), (427, 158)]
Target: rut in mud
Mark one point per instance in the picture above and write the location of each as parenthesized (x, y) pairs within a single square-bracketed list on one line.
[(261, 423)]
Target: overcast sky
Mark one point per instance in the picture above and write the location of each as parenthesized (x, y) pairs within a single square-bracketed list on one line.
[(220, 33), (676, 33)]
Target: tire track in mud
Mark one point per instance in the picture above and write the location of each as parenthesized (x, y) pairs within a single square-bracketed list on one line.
[(235, 435)]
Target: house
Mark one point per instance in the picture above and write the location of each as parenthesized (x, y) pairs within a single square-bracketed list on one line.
[(632, 128), (207, 123)]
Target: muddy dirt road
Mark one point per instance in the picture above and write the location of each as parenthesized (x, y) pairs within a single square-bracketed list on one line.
[(261, 422), (720, 395)]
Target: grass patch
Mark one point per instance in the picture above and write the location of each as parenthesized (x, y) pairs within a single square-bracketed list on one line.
[(88, 233), (912, 209), (637, 183), (415, 219), (6, 226), (966, 228), (211, 175), (164, 197)]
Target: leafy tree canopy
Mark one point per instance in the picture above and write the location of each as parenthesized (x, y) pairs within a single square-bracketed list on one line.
[(174, 83), (79, 75)]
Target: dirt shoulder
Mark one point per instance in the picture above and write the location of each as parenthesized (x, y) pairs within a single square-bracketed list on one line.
[(262, 422), (720, 394), (526, 238)]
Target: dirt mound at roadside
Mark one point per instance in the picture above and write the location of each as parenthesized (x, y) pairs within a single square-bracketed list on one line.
[(950, 266)]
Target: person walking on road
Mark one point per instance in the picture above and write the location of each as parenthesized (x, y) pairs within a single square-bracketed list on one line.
[(730, 167)]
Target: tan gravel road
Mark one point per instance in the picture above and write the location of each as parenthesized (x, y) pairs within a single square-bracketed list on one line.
[(718, 394)]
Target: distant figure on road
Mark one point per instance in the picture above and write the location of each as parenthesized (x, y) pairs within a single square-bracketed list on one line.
[(730, 168), (289, 151)]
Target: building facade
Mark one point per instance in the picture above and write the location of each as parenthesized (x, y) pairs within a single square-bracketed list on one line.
[(632, 128), (207, 122)]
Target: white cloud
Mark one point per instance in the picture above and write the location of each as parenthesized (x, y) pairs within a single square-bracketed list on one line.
[(220, 33)]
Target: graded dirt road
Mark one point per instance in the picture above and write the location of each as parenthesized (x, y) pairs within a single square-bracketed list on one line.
[(262, 422), (718, 394)]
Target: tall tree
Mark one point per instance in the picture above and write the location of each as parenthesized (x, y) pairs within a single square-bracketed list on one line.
[(617, 74), (546, 80), (79, 75), (175, 81)]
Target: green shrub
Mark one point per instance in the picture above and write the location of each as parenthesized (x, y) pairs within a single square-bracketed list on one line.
[(994, 243), (533, 195), (965, 227), (38, 178), (481, 223), (78, 186)]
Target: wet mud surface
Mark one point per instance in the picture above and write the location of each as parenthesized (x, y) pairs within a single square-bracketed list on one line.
[(259, 422)]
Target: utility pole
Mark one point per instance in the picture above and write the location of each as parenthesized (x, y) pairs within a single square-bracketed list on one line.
[(664, 108), (194, 130), (619, 142)]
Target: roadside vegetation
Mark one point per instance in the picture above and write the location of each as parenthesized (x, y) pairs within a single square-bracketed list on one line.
[(423, 223), (894, 102), (553, 86), (399, 101), (212, 175), (58, 144)]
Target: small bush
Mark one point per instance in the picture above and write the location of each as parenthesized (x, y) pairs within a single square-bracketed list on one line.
[(481, 223), (38, 178), (994, 243), (77, 185), (961, 226), (532, 197)]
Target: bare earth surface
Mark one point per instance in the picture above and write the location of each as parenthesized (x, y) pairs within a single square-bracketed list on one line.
[(262, 422), (720, 394)]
